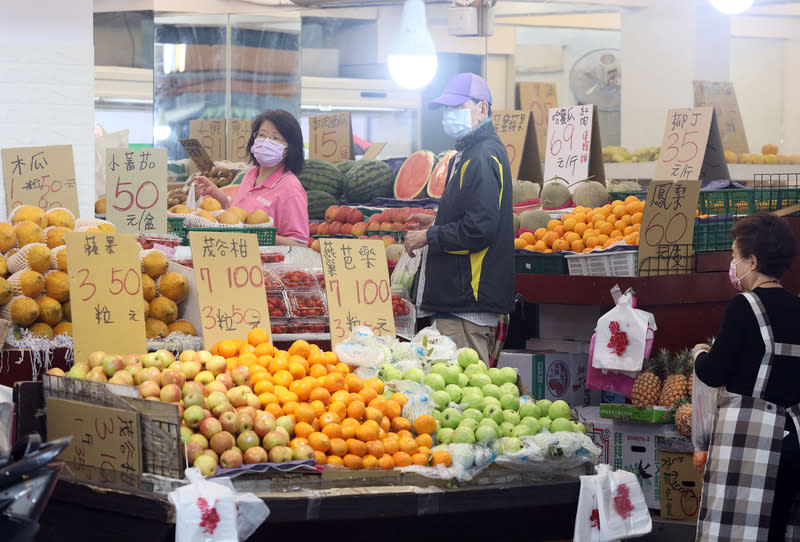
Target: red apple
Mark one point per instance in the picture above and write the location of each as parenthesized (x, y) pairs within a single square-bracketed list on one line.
[(355, 216), (186, 355), (388, 240), (148, 373), (171, 376), (191, 369), (121, 377), (221, 441), (216, 386), (190, 386), (149, 389), (170, 393), (335, 228), (255, 454), (359, 229), (401, 215), (237, 396), (330, 213), (95, 359), (324, 228), (219, 410), (210, 427), (313, 227), (280, 454), (217, 365), (342, 213), (264, 423), (226, 379), (252, 401), (347, 229), (240, 375), (230, 422), (231, 459), (193, 450)]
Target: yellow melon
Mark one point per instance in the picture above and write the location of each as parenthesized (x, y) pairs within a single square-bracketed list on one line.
[(769, 148), (770, 158), (155, 264), (183, 326), (56, 285), (227, 217), (6, 291), (180, 209), (205, 214), (49, 310), (60, 217), (259, 216), (3, 266), (148, 287), (24, 311), (210, 204), (164, 309), (39, 257), (54, 235), (28, 232), (173, 286), (155, 328), (28, 282), (43, 330), (8, 237), (61, 260), (731, 157), (100, 206), (756, 158), (63, 328), (239, 212), (66, 309), (32, 213)]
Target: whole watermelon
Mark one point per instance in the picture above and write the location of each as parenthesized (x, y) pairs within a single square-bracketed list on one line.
[(345, 166), (321, 175), (318, 203), (367, 180)]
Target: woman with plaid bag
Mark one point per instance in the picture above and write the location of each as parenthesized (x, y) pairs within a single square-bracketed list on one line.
[(753, 471)]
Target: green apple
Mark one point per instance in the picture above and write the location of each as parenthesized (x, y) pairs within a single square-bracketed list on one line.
[(494, 413), (451, 417), (490, 401), (506, 429), (473, 397), (545, 422), (485, 432), (490, 421), (469, 422), (511, 416), (509, 375), (512, 445), (579, 428), (560, 424), (521, 430), (474, 370), (559, 409), (437, 415), (533, 424), (496, 376), (468, 356), (450, 374), (434, 381), (479, 380), (473, 413), (491, 390), (438, 368), (389, 372), (464, 435), (441, 398), (528, 409), (414, 374), (454, 391), (510, 388), (544, 406), (509, 402), (445, 435), (463, 380)]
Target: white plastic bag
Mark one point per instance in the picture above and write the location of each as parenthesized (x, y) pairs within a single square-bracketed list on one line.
[(621, 336), (403, 275), (363, 349), (704, 405), (587, 518), (620, 502), (437, 347)]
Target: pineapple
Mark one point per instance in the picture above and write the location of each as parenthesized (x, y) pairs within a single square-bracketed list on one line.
[(683, 418), (647, 387), (675, 386)]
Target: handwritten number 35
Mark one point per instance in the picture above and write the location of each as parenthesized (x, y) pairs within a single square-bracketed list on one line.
[(677, 150)]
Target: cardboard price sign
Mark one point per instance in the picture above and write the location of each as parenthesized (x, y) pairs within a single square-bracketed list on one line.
[(665, 242), (230, 285), (211, 135), (357, 287), (330, 137), (103, 437), (136, 190), (518, 134), (573, 150), (105, 283), (721, 96), (197, 154), (691, 149), (239, 131), (539, 98), (40, 176)]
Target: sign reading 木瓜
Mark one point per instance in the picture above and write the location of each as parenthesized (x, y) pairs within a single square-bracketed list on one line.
[(136, 190), (239, 131), (357, 287), (105, 284), (721, 96), (330, 137), (573, 150), (211, 135), (691, 148), (539, 98), (518, 134), (230, 285), (665, 239), (40, 176)]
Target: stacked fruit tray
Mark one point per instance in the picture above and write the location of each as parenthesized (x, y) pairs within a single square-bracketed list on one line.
[(296, 299)]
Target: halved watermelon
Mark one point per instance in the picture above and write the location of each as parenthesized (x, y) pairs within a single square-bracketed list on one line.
[(413, 175), (438, 176)]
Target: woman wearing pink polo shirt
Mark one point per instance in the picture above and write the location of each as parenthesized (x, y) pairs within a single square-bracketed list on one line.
[(276, 145)]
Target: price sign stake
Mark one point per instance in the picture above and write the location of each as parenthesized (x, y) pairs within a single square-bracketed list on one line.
[(211, 135), (539, 98), (721, 96), (136, 190), (230, 285), (239, 131), (665, 242), (518, 134), (40, 176), (574, 151), (357, 287), (691, 148), (105, 283), (330, 137)]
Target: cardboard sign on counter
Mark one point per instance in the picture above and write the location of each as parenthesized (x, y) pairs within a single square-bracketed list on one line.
[(665, 242), (239, 131), (373, 151), (721, 96), (518, 134), (211, 135), (681, 486), (104, 437), (539, 98), (691, 148), (357, 287), (230, 285), (105, 283), (197, 154), (330, 137), (136, 190), (40, 176), (573, 149)]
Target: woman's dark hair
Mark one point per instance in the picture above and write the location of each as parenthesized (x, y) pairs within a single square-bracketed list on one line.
[(289, 129), (770, 239)]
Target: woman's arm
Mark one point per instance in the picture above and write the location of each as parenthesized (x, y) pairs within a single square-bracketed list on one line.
[(288, 241)]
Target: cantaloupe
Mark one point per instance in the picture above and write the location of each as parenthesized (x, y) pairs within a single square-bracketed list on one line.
[(524, 191), (555, 194), (516, 223), (533, 219), (590, 194)]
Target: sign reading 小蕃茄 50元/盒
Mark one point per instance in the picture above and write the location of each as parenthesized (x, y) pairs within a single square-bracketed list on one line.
[(136, 190)]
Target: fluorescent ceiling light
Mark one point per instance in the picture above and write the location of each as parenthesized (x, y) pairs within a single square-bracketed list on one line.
[(732, 7), (413, 61)]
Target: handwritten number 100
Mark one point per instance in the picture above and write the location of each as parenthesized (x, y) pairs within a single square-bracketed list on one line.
[(363, 293)]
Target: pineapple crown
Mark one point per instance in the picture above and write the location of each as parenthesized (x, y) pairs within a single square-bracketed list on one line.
[(656, 366), (680, 363), (683, 401)]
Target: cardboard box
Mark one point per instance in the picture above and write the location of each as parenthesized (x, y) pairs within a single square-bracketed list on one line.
[(654, 414), (681, 486), (552, 376), (600, 430), (635, 451)]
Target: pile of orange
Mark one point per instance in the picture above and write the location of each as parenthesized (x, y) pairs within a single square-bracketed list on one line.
[(585, 230), (344, 418)]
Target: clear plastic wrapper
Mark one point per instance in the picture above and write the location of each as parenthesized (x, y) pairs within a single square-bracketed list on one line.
[(467, 461), (295, 277), (704, 405), (363, 349), (437, 347), (149, 240), (305, 303), (308, 325), (547, 452), (271, 280), (418, 398), (277, 304)]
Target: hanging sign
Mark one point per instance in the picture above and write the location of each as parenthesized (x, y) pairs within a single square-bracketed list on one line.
[(330, 137), (40, 176), (574, 151), (197, 154), (721, 96), (211, 135), (539, 98), (691, 148), (136, 190), (239, 131), (518, 134)]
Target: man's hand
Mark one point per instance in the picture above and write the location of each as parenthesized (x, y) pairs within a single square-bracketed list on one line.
[(415, 239), (419, 221)]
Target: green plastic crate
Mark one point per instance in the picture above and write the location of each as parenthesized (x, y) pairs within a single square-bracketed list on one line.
[(774, 198), (175, 226), (535, 263), (641, 194), (712, 235), (739, 201), (266, 236)]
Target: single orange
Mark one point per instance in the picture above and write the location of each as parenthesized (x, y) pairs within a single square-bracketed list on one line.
[(401, 423), (257, 336), (367, 431), (305, 413), (374, 383), (399, 398), (274, 408), (408, 445), (391, 445), (320, 441), (401, 459), (551, 224), (299, 347), (338, 408), (356, 446), (289, 406), (320, 457), (282, 378), (356, 409), (367, 395), (341, 396), (278, 364), (317, 371), (393, 410), (303, 429), (376, 448), (425, 423), (329, 417), (318, 406), (288, 397), (385, 424), (441, 458), (550, 238), (334, 461), (266, 398), (264, 349), (379, 402), (349, 427), (373, 414), (386, 462), (353, 462), (297, 370), (331, 357), (403, 433), (338, 446), (369, 462), (577, 246), (636, 218), (246, 348), (354, 383), (333, 430), (334, 382), (422, 440), (528, 237), (560, 244), (227, 348), (263, 385), (419, 459)]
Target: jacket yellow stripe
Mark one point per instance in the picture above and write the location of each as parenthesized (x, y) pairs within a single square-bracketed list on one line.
[(463, 170), (458, 252), (500, 167), (476, 262)]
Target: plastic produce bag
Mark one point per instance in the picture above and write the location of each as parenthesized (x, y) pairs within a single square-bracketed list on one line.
[(363, 349), (418, 398), (622, 336), (211, 511), (587, 518), (704, 405), (620, 502), (467, 461), (437, 347), (403, 275)]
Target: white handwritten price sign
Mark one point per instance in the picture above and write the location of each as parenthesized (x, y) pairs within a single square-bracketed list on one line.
[(357, 287), (103, 437), (211, 135), (40, 176), (136, 190), (691, 149), (105, 284), (518, 134), (574, 151), (539, 98), (239, 131), (721, 96), (665, 242), (330, 137), (230, 285)]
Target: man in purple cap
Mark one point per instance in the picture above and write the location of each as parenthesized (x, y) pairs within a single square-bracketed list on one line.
[(467, 278)]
